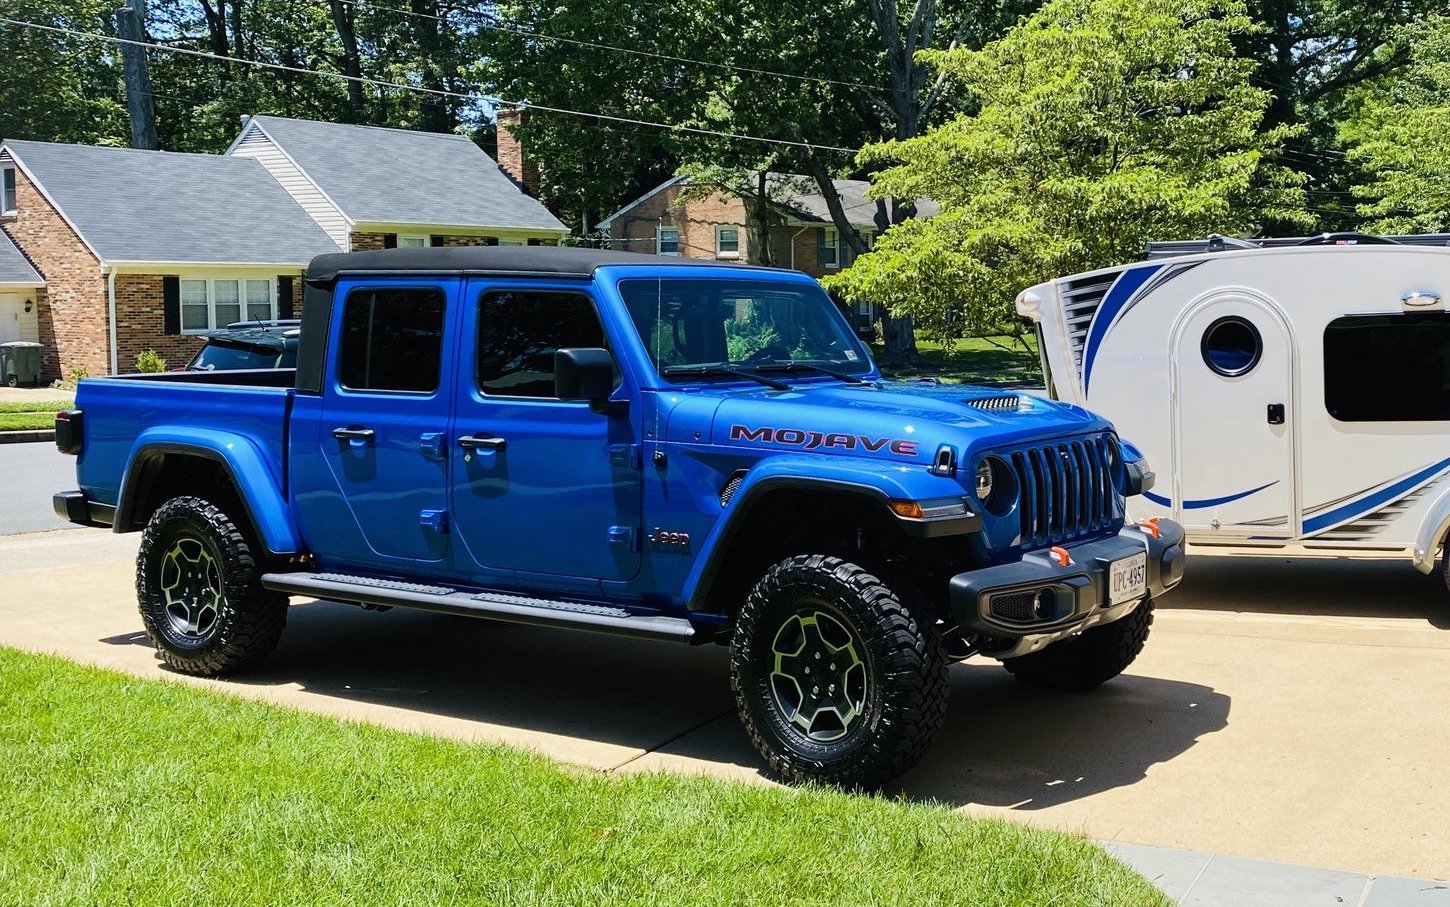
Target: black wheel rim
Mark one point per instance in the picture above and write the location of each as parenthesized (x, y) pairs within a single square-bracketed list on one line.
[(191, 589), (818, 680)]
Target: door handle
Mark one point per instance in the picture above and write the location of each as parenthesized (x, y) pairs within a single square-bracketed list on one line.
[(478, 442), (353, 434), (1276, 414)]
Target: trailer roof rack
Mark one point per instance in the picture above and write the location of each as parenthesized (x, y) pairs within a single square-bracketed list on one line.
[(1218, 243)]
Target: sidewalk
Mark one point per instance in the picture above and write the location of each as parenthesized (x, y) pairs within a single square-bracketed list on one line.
[(1194, 878)]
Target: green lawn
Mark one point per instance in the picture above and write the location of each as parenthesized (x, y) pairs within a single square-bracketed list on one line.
[(25, 416), (115, 790), (976, 360)]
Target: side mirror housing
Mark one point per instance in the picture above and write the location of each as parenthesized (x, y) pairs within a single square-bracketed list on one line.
[(583, 373)]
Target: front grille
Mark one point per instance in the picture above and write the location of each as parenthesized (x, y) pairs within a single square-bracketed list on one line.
[(1066, 490), (1014, 606)]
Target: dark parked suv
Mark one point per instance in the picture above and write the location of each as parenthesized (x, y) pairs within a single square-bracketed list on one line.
[(249, 344)]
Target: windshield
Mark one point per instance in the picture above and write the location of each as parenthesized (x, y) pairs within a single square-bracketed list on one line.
[(743, 323)]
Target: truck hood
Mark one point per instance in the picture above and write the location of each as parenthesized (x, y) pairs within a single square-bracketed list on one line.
[(901, 421)]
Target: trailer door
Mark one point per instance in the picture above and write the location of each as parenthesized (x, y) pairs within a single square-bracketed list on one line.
[(1232, 362)]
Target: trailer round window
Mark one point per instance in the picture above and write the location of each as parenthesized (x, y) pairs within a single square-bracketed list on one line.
[(1232, 346)]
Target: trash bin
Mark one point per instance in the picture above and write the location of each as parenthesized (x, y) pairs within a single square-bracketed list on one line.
[(20, 363)]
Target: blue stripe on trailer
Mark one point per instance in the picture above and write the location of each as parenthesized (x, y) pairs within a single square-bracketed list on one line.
[(1128, 283), (1374, 501), (1207, 502)]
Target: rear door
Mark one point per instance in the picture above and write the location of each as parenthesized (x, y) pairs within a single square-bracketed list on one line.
[(1232, 362), (541, 486), (387, 397)]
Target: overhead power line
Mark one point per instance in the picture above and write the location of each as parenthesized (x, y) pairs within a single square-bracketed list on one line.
[(491, 22), (437, 92)]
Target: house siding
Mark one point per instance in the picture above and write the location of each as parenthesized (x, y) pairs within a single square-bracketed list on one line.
[(635, 230), (257, 145), (71, 313)]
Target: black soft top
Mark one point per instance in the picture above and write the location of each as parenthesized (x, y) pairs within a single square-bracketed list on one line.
[(542, 260)]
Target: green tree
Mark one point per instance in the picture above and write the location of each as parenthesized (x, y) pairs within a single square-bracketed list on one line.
[(1099, 125), (57, 88), (1398, 134)]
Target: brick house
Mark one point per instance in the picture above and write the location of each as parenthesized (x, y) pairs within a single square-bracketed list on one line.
[(126, 250), (803, 237)]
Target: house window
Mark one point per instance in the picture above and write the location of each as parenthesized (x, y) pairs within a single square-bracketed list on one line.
[(830, 248), (511, 242), (412, 240), (215, 303), (727, 242), (667, 241), (7, 197)]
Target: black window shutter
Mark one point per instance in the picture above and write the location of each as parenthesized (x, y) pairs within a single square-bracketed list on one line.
[(171, 304), (285, 306), (390, 240), (536, 242), (435, 240), (490, 240)]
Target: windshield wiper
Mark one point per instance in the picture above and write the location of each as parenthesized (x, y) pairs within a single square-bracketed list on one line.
[(789, 367), (706, 371)]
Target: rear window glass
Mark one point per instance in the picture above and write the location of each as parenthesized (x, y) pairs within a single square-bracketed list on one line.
[(1388, 368), (219, 357), (392, 339)]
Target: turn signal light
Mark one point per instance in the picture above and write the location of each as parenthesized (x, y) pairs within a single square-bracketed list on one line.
[(909, 509), (1150, 526)]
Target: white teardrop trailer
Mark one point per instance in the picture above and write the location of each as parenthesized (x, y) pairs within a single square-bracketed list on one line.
[(1288, 390)]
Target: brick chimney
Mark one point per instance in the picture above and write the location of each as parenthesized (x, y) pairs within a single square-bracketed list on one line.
[(511, 158)]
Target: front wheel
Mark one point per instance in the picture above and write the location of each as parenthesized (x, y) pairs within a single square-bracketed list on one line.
[(1089, 659), (199, 589), (835, 680)]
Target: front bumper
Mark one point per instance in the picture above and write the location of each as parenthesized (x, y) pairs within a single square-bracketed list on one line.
[(1019, 608)]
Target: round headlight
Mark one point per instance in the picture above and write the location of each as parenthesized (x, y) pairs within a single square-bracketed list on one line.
[(984, 480)]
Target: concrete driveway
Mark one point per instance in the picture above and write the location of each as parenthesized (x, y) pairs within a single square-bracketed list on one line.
[(1289, 710)]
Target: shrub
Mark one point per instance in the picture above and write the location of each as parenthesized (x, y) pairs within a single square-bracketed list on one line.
[(149, 361)]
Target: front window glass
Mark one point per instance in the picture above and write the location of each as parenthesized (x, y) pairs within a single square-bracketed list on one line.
[(194, 315), (7, 195), (228, 302), (686, 322), (520, 330), (259, 300), (392, 339), (668, 242), (1388, 368), (727, 240)]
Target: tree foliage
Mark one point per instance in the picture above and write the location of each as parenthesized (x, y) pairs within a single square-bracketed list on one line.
[(1399, 134), (1099, 125)]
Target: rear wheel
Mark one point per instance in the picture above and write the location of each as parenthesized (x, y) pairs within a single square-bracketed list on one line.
[(198, 586), (1089, 659), (835, 680)]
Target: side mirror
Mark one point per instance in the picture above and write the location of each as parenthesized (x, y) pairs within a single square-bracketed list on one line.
[(583, 374)]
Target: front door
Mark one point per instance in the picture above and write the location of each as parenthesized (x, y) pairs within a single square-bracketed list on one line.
[(385, 414), (541, 486), (10, 309), (1233, 414)]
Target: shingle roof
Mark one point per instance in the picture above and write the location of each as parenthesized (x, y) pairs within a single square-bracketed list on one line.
[(800, 199), (160, 206), (14, 268), (405, 176)]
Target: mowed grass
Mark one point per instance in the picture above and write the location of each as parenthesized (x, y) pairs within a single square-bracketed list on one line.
[(116, 790), (976, 360), (28, 416)]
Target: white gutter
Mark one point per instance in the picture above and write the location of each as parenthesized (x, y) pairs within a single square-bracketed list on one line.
[(111, 307), (792, 244)]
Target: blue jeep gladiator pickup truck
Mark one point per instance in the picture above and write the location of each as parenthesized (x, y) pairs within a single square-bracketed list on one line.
[(633, 445)]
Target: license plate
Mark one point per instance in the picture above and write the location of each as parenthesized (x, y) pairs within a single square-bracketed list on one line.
[(1128, 579)]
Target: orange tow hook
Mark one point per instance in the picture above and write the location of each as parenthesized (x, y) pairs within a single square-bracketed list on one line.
[(1060, 555), (1150, 526)]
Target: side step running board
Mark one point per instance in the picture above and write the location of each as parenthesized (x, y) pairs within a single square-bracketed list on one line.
[(518, 609)]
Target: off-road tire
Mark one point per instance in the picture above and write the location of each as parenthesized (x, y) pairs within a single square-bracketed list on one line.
[(905, 674), (247, 620), (1088, 660)]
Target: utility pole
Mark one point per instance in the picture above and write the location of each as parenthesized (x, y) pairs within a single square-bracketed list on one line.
[(131, 26)]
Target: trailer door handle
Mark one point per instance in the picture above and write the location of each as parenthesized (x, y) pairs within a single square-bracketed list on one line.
[(1276, 414), (478, 442), (353, 434)]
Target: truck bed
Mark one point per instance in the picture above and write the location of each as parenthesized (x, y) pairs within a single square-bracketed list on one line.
[(122, 413)]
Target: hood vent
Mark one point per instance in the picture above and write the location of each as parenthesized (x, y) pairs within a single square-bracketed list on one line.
[(1000, 403)]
